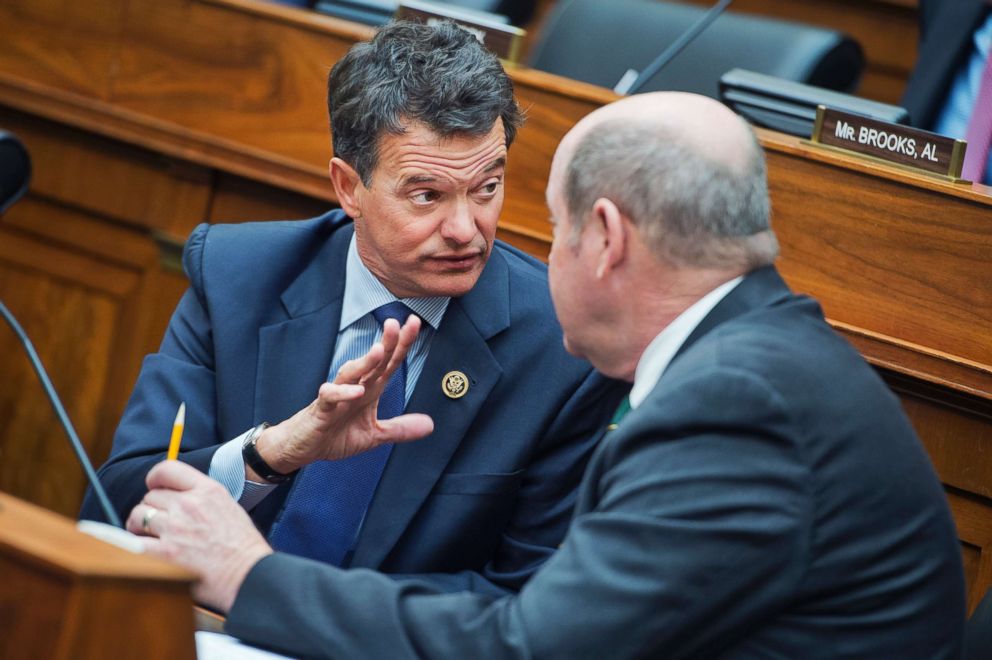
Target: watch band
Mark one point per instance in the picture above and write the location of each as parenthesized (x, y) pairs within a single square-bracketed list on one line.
[(254, 460)]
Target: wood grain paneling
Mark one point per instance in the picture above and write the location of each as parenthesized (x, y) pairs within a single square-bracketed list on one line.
[(885, 255), (975, 529), (258, 82), (70, 304), (80, 267), (237, 199), (68, 45)]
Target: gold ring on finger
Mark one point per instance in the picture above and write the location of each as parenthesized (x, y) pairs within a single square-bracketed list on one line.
[(146, 519)]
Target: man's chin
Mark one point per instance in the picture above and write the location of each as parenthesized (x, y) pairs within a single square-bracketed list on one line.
[(455, 285)]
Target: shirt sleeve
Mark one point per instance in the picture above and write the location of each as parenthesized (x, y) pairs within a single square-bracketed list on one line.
[(228, 468)]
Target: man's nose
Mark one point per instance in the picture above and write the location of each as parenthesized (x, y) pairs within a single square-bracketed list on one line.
[(459, 226)]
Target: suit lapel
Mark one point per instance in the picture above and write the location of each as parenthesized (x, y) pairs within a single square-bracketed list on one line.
[(460, 344), (294, 355)]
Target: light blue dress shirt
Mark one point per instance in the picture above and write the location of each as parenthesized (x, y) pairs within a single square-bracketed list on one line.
[(954, 116), (357, 332)]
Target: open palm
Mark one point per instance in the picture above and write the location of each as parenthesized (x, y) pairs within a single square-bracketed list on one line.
[(342, 421)]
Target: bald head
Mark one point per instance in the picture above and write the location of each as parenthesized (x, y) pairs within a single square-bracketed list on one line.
[(701, 124), (684, 168)]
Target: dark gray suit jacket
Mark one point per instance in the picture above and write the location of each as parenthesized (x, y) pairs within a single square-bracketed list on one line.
[(769, 499)]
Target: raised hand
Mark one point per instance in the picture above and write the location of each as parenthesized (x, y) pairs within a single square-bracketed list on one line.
[(342, 420)]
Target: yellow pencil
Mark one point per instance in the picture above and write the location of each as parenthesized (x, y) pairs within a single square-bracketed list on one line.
[(177, 432)]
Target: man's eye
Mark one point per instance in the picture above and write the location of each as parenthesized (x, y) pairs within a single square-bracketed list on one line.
[(490, 188), (425, 197)]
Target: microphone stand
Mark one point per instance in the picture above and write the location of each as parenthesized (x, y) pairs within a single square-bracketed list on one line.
[(674, 49), (53, 397)]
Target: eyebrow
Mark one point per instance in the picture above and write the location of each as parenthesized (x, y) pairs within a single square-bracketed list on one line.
[(495, 165), (417, 179)]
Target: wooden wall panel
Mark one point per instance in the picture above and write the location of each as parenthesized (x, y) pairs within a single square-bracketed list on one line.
[(80, 43), (81, 266), (956, 438), (70, 304), (975, 529), (237, 199), (261, 81)]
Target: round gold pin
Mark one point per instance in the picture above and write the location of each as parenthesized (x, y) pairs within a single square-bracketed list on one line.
[(454, 384)]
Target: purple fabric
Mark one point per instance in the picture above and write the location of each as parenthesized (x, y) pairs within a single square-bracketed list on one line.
[(979, 135)]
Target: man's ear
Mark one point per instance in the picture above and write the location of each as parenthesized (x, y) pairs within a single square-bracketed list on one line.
[(346, 185), (613, 233)]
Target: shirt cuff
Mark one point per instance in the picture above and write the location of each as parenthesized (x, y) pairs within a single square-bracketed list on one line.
[(228, 468)]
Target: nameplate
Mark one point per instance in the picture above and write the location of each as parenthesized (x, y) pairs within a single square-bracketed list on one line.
[(502, 39), (903, 145)]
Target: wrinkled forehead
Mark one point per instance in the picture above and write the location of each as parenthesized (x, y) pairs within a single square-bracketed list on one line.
[(460, 155)]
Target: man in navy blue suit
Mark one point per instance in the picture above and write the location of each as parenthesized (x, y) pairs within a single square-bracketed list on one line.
[(766, 496), (422, 118)]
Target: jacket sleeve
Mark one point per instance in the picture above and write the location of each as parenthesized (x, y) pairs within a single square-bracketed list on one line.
[(182, 370), (688, 532)]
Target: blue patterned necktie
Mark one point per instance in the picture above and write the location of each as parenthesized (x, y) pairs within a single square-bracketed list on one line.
[(324, 512)]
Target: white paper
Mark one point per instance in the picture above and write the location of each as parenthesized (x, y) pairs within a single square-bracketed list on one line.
[(218, 646)]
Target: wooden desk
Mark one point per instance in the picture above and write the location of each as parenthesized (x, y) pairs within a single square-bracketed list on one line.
[(147, 118), (66, 595)]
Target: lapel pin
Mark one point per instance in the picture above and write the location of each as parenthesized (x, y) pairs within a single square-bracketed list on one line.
[(454, 384)]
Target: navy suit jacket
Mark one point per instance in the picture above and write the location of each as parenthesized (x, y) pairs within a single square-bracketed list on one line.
[(769, 499), (490, 491), (946, 30)]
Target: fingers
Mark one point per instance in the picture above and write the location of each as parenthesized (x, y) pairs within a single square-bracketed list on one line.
[(145, 520), (167, 482), (331, 394), (159, 498), (390, 340), (396, 343), (376, 366), (404, 428), (356, 371), (175, 475), (153, 546), (407, 336)]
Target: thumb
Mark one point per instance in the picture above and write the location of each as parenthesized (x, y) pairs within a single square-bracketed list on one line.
[(405, 428)]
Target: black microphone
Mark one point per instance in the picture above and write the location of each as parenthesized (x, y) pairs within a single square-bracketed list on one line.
[(674, 49), (77, 446)]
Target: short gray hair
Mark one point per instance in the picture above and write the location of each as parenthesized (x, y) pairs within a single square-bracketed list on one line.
[(438, 75), (691, 210)]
